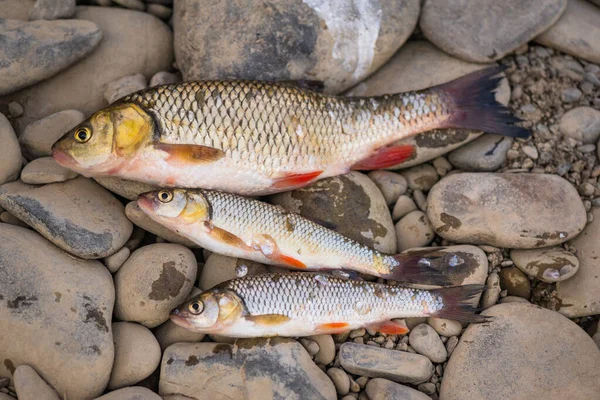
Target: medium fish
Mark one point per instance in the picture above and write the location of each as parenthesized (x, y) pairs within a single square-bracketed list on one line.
[(240, 227), (256, 138), (304, 304)]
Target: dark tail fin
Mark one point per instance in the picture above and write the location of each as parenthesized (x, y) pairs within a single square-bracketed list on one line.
[(417, 268), (475, 106), (458, 305)]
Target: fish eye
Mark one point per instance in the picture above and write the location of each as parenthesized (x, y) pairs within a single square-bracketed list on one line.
[(196, 307), (165, 196), (82, 134)]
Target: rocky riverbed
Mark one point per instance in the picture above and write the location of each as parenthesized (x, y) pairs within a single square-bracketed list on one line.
[(87, 280)]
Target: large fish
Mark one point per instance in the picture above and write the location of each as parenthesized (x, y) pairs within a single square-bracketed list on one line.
[(256, 138), (240, 227), (304, 304)]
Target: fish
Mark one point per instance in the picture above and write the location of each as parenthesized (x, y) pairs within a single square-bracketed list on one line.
[(251, 229), (258, 138), (308, 303)]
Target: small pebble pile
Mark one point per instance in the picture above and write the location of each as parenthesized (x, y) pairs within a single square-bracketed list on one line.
[(87, 280)]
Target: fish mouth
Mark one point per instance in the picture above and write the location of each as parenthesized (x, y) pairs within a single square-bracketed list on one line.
[(146, 202), (62, 158), (181, 321)]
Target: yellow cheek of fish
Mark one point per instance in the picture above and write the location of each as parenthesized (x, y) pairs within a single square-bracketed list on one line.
[(230, 309), (194, 211), (133, 127)]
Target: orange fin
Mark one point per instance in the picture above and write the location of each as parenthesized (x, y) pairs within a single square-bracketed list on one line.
[(295, 180), (268, 247), (333, 327), (268, 319), (386, 157), (390, 327), (289, 261), (225, 236), (191, 153)]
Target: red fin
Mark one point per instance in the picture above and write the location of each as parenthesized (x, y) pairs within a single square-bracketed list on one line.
[(267, 245), (191, 153), (289, 261), (386, 157), (391, 328), (457, 303), (295, 180), (333, 326)]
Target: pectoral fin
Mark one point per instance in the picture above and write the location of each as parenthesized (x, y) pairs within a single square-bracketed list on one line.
[(290, 181), (268, 247), (333, 327), (268, 319), (225, 237), (190, 153), (390, 327), (386, 157)]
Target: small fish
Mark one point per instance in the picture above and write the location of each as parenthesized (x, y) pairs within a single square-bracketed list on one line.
[(304, 304), (236, 226), (257, 138)]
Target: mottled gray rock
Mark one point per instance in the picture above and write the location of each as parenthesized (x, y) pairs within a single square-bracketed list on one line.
[(77, 215), (421, 177), (10, 152), (52, 9), (154, 280), (34, 51), (576, 32), (506, 210), (582, 124), (375, 362), (45, 170), (500, 29), (351, 204), (382, 389), (518, 338), (133, 42), (335, 42), (251, 368), (550, 264), (484, 154), (58, 303), (38, 137)]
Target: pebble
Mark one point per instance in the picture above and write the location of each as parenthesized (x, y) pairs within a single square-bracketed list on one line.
[(551, 264), (576, 32), (520, 334), (45, 170), (499, 29), (133, 42), (163, 77), (383, 389), (219, 268), (570, 95), (273, 367), (531, 152), (52, 9), (578, 296), (568, 67), (376, 362), (357, 333), (414, 230), (10, 152), (15, 110), (340, 380), (154, 280), (78, 216), (391, 184), (531, 112), (445, 327), (8, 218), (124, 187), (491, 294), (30, 386), (138, 217), (313, 42), (442, 166), (527, 211), (420, 199), (39, 136), (421, 177), (581, 124), (326, 352), (484, 154), (427, 388), (131, 393), (451, 345), (424, 339), (160, 11), (403, 206), (310, 345), (57, 303), (34, 51), (137, 354), (124, 86), (116, 260), (515, 282), (341, 201), (132, 4), (513, 299)]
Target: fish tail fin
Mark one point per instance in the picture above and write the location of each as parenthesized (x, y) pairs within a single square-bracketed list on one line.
[(417, 268), (458, 303), (474, 106)]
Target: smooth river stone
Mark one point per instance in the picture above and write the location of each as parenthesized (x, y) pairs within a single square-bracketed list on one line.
[(551, 264), (543, 356), (59, 305), (506, 210)]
